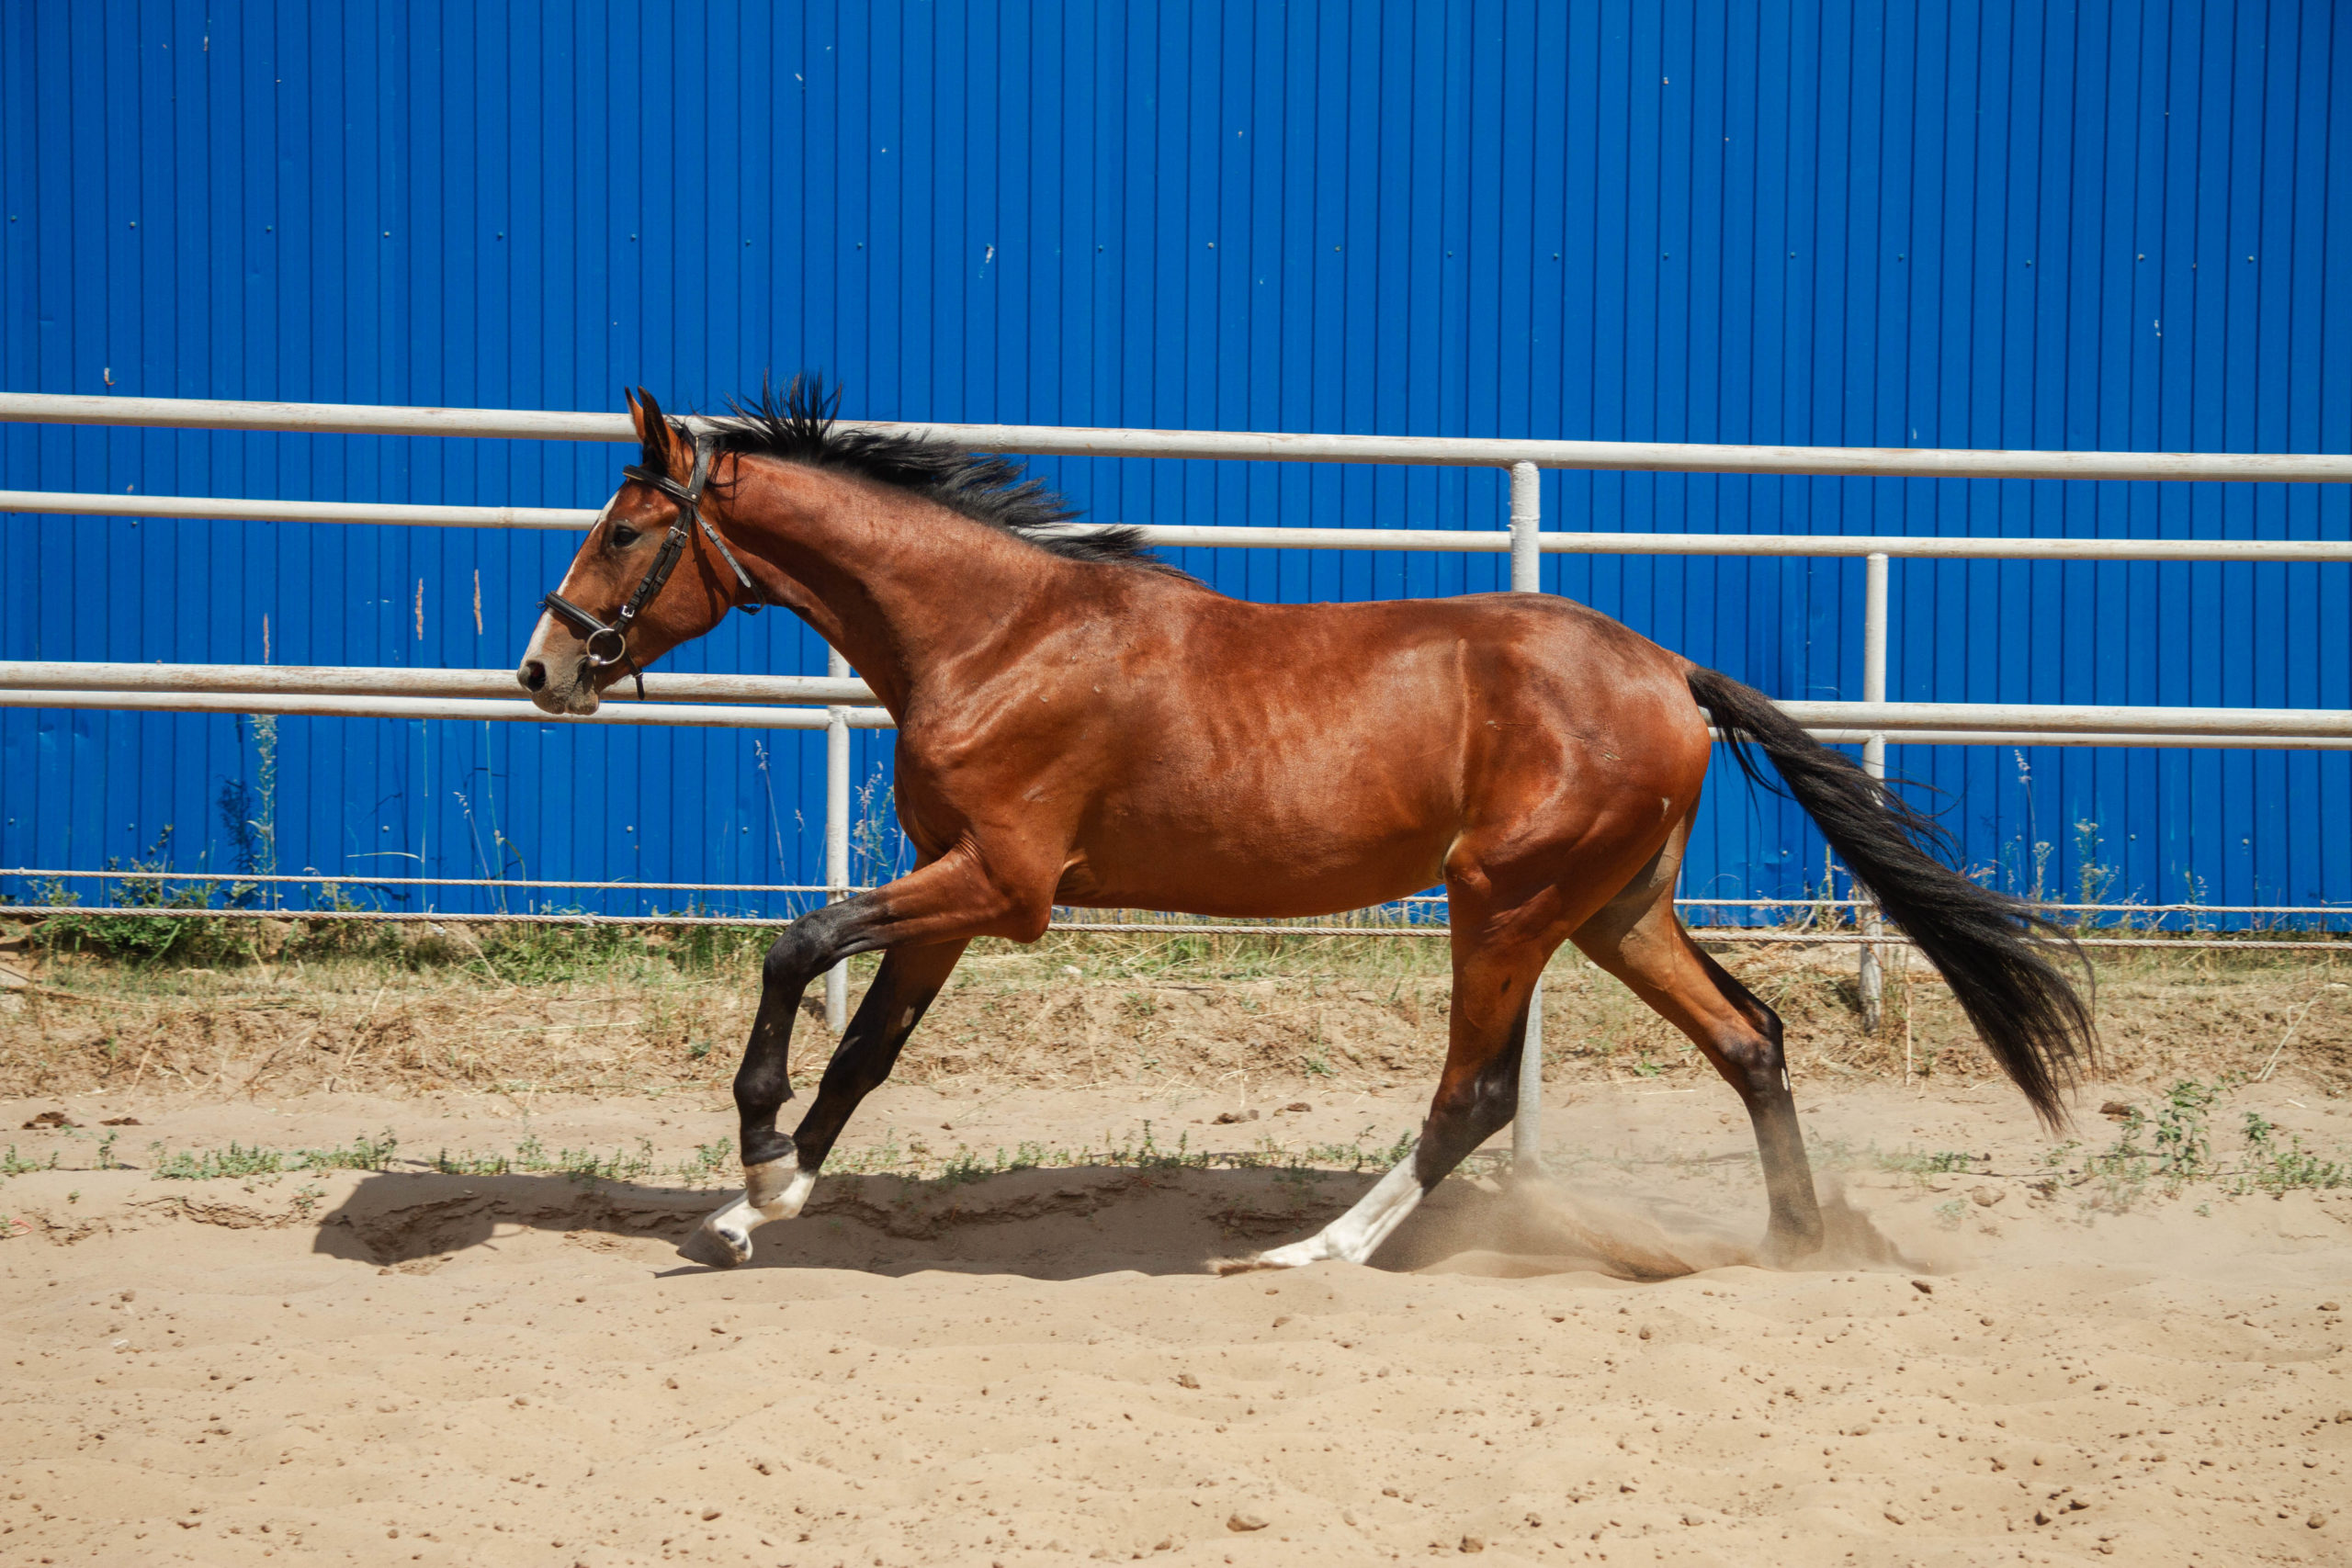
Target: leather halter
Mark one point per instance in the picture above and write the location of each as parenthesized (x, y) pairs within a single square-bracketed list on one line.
[(607, 643)]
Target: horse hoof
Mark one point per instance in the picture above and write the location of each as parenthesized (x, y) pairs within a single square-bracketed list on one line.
[(1785, 1251), (723, 1239), (1298, 1255), (725, 1249)]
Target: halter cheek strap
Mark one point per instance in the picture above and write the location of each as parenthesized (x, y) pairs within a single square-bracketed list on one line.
[(607, 642)]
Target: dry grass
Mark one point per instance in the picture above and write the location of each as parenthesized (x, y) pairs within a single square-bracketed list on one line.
[(649, 1011)]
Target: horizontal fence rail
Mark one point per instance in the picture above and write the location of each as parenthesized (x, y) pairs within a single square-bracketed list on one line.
[(1065, 441), (397, 693), (1892, 718), (1178, 535), (1921, 546), (202, 508), (688, 716), (394, 681)]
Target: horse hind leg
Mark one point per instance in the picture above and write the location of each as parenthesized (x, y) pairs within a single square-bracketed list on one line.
[(1649, 950), (1477, 1097)]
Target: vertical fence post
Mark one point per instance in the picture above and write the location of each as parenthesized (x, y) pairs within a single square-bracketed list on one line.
[(1871, 980), (1527, 577), (836, 839)]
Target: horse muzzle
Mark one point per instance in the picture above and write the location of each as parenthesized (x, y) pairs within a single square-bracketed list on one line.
[(557, 672)]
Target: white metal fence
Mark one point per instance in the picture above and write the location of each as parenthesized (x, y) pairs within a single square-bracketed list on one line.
[(767, 702)]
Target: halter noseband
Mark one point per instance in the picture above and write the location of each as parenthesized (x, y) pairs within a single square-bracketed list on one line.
[(607, 643)]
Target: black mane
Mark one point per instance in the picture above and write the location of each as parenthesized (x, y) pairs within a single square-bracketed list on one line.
[(801, 426)]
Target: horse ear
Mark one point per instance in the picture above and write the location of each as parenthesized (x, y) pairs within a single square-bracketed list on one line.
[(659, 438)]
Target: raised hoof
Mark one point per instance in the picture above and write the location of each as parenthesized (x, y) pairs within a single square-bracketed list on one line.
[(723, 1239), (715, 1248)]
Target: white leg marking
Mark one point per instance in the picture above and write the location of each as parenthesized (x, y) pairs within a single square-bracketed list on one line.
[(1355, 1235), (776, 1190)]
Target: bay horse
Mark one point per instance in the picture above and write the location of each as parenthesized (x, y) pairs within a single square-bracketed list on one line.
[(1080, 724)]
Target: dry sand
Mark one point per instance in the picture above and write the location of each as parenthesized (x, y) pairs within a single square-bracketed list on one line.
[(410, 1367)]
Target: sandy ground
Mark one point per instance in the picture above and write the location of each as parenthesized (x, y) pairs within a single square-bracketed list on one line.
[(411, 1367)]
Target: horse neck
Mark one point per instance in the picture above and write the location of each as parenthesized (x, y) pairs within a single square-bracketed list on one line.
[(897, 583)]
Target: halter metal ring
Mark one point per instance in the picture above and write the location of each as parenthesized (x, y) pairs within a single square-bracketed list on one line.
[(592, 647)]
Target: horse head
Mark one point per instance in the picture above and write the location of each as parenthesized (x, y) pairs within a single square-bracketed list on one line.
[(623, 603)]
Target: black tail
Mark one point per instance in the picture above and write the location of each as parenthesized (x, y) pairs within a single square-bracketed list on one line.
[(1990, 948)]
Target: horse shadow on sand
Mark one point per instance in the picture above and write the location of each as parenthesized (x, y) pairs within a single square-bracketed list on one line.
[(1074, 1221)]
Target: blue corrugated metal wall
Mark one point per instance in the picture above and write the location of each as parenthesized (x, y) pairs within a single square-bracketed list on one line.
[(2103, 225)]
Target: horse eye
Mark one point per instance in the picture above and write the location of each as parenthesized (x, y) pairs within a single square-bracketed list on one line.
[(623, 536)]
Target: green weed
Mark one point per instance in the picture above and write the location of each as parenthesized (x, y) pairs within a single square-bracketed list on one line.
[(1921, 1163), (12, 1164), (147, 939), (2183, 1151), (237, 1160), (1357, 1157), (2269, 1168), (362, 1154), (710, 1161), (212, 1165), (531, 1157), (2180, 1149)]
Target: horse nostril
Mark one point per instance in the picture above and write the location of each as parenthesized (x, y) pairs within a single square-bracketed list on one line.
[(534, 676)]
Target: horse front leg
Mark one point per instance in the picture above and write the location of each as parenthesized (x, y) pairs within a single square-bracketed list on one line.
[(780, 1172), (924, 919), (773, 1188)]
